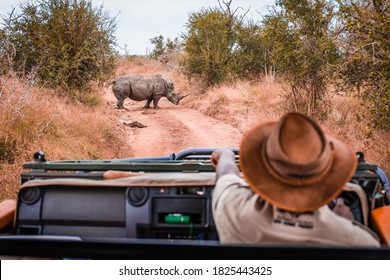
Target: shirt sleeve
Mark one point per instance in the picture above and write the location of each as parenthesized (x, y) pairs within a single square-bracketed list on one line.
[(230, 192)]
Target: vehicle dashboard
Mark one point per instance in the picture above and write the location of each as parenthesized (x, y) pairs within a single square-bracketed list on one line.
[(150, 208), (152, 205)]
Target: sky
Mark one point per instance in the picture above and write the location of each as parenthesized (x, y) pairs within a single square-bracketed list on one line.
[(140, 20)]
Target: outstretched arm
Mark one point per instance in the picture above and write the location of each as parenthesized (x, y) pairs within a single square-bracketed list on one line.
[(224, 162)]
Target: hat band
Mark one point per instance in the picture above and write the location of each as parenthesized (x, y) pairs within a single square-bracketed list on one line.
[(293, 168)]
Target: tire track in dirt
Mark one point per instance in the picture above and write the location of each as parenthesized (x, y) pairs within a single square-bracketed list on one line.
[(171, 129), (204, 131)]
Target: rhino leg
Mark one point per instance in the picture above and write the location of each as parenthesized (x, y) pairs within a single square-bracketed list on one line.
[(119, 94), (147, 105), (119, 104), (155, 102)]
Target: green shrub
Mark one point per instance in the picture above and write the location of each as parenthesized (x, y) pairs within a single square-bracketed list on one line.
[(68, 43), (365, 46), (303, 51)]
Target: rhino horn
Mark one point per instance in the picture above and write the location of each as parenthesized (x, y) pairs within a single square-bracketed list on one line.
[(182, 96)]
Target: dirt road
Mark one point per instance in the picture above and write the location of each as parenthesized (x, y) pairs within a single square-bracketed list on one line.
[(169, 129)]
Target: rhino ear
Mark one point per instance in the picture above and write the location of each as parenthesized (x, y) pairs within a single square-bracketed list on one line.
[(171, 85), (182, 96)]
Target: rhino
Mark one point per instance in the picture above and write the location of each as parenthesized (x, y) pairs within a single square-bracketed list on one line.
[(145, 87)]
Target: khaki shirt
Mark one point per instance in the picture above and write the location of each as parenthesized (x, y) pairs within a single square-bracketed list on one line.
[(241, 216)]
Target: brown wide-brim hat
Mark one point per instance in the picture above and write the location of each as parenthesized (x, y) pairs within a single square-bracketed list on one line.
[(294, 165)]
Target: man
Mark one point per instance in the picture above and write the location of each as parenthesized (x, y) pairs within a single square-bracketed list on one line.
[(293, 170)]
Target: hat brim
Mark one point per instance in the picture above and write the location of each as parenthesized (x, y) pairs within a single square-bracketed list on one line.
[(290, 197)]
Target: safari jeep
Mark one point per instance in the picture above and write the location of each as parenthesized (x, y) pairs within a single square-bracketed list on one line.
[(155, 208)]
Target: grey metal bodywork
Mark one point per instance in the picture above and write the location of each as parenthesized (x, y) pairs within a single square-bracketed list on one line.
[(145, 87)]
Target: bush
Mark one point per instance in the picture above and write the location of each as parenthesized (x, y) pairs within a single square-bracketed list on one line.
[(68, 42), (166, 51), (303, 51), (366, 62), (207, 46), (212, 50)]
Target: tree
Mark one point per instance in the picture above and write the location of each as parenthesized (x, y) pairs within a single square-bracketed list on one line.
[(165, 51), (69, 42), (206, 46), (211, 42), (366, 52), (159, 48), (303, 50), (253, 53)]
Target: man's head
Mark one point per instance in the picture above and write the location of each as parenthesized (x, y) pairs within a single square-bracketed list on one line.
[(294, 165)]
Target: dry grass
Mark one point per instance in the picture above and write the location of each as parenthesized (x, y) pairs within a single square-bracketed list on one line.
[(245, 104), (140, 65), (33, 119), (348, 122)]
